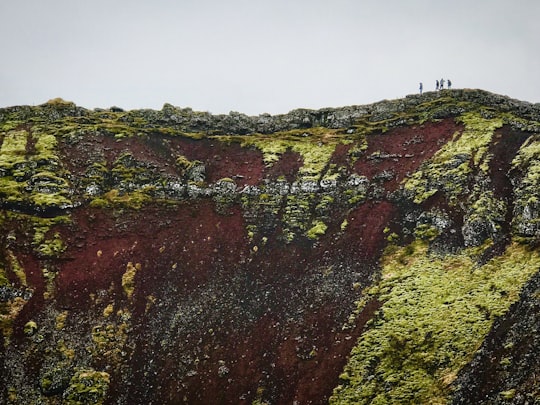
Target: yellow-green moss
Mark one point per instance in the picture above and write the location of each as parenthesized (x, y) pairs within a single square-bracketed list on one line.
[(45, 146), (30, 328), (49, 274), (3, 278), (13, 149), (449, 169), (435, 313), (314, 145), (108, 310), (61, 320), (318, 229), (128, 278), (53, 247), (527, 190), (9, 310), (17, 268), (109, 338), (296, 214), (113, 198), (87, 386), (23, 169)]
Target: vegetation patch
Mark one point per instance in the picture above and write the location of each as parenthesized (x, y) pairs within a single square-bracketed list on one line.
[(128, 278), (435, 314), (450, 168), (315, 146), (526, 166), (31, 172), (318, 229), (87, 386)]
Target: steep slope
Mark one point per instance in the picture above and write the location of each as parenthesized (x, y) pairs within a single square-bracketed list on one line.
[(368, 254)]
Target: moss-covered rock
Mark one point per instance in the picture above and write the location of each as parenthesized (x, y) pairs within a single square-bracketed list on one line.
[(87, 386), (178, 249), (435, 312)]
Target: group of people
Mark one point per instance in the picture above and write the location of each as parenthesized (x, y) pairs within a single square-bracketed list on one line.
[(439, 85)]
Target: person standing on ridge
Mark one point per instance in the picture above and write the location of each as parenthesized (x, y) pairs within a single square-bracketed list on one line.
[(437, 85), (421, 88), (449, 83), (441, 84)]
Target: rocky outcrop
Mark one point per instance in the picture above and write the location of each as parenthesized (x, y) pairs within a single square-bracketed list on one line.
[(353, 255)]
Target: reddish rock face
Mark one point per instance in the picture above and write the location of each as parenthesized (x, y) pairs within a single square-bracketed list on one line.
[(240, 320), (402, 150), (214, 319), (187, 270)]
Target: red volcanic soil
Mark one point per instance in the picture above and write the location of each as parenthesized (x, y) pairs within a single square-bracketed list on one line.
[(271, 321), (402, 150), (505, 145), (102, 242), (244, 165), (287, 166), (214, 320)]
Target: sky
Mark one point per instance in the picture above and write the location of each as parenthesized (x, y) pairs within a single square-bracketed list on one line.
[(262, 56)]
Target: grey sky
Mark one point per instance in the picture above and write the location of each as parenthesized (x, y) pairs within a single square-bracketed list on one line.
[(257, 56)]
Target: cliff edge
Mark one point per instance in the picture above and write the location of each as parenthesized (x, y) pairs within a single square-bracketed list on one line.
[(385, 253)]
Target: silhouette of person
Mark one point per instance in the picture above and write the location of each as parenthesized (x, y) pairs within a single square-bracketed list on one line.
[(449, 83), (421, 88), (437, 85), (441, 84)]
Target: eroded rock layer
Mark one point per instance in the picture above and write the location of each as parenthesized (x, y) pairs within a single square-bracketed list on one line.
[(368, 254)]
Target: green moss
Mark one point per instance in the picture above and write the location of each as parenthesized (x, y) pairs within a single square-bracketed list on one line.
[(128, 278), (45, 146), (508, 394), (30, 328), (315, 146), (44, 200), (28, 175), (315, 157), (16, 268), (3, 278), (47, 248), (324, 204), (183, 163), (13, 149), (49, 275), (319, 228), (435, 313), (450, 168), (357, 149), (526, 166), (87, 386), (113, 198), (109, 338), (9, 310), (297, 214), (60, 321), (426, 232), (355, 198)]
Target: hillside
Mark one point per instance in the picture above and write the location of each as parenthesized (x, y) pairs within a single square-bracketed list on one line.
[(386, 253)]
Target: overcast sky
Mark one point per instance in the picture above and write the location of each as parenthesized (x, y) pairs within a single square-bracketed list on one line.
[(257, 56)]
